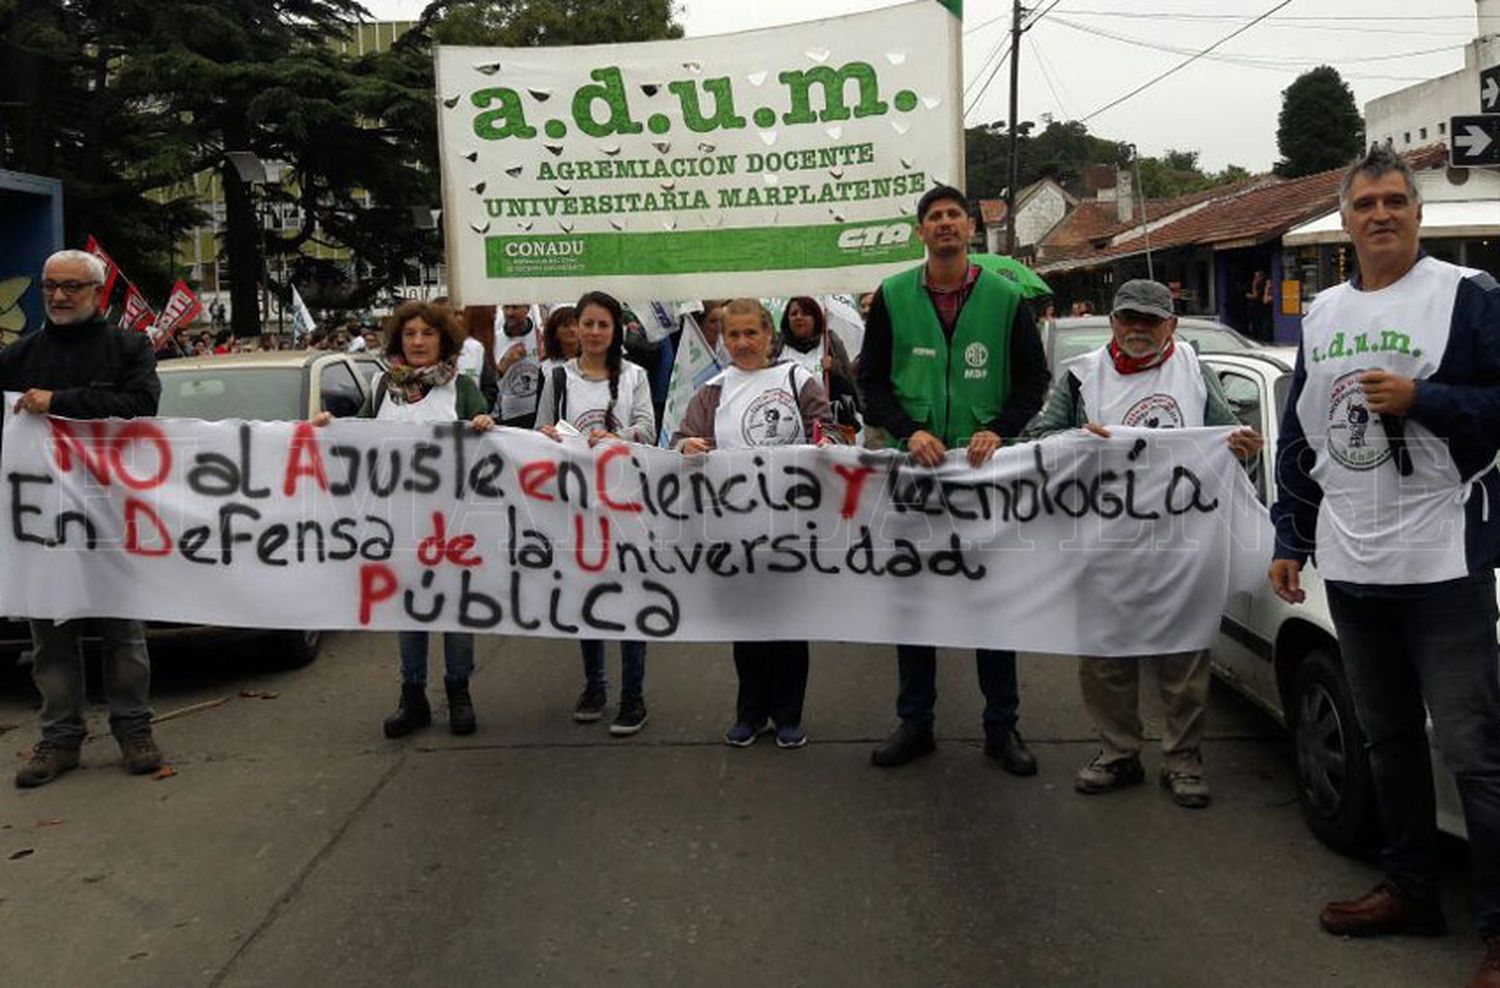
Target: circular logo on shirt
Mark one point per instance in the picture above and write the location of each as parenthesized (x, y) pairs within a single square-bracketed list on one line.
[(772, 419), (1158, 411), (1354, 435), (586, 422), (976, 355)]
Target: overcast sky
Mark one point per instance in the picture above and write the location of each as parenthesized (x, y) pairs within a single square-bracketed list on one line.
[(1225, 110)]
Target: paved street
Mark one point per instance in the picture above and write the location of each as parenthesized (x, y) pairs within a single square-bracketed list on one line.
[(295, 845)]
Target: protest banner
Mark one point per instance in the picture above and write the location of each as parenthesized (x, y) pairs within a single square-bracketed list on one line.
[(1074, 545), (780, 161), (181, 309), (137, 314), (112, 270)]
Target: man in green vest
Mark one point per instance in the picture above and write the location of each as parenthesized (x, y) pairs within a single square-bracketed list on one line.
[(951, 359)]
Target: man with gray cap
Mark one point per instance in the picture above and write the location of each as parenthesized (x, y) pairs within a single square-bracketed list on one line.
[(1142, 378), (79, 366)]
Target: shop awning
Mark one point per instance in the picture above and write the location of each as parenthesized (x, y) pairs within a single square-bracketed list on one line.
[(1467, 218)]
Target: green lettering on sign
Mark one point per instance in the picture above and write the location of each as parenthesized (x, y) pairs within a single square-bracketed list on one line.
[(693, 251), (799, 85)]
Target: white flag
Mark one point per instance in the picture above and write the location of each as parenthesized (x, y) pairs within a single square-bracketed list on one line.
[(845, 322), (694, 365), (658, 319), (302, 320)]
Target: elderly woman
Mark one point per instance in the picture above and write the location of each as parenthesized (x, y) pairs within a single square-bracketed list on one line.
[(758, 402), (422, 344)]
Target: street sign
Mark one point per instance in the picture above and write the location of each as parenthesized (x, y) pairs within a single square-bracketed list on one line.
[(1489, 90), (1475, 141)]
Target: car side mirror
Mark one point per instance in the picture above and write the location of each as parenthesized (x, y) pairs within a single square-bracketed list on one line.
[(341, 405)]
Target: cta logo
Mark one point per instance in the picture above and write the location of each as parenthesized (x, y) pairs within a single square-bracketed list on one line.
[(879, 235)]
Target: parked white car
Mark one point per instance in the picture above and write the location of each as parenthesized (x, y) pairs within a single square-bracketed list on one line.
[(1286, 658)]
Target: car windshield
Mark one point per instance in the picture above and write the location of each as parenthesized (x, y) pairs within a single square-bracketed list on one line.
[(1205, 339), (214, 393)]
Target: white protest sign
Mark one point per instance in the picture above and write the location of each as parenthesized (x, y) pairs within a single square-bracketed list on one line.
[(1075, 545), (787, 160)]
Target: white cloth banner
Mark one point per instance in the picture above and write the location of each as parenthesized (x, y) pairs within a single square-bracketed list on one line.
[(1075, 545), (785, 160)]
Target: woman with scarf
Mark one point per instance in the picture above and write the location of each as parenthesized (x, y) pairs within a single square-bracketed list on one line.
[(601, 397), (758, 402), (422, 344), (805, 338)]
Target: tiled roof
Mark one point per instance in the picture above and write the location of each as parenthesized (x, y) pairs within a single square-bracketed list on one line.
[(1249, 213)]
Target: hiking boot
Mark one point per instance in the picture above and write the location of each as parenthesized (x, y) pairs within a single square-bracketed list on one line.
[(630, 718), (1007, 748), (460, 707), (590, 706), (1386, 908), (49, 759), (1186, 786), (411, 713), (1106, 775), (906, 743), (139, 754), (790, 736), (743, 734)]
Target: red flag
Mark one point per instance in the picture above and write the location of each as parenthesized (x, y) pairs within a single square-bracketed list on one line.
[(112, 269), (137, 315), (181, 308)]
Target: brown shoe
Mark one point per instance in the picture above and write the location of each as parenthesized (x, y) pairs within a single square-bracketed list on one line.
[(140, 754), (49, 759), (1488, 975), (1384, 909)]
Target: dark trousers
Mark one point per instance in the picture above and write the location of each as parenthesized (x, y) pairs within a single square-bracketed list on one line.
[(1439, 647), (773, 682), (997, 681)]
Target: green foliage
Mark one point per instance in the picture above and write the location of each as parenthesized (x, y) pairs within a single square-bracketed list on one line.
[(1319, 127), (1065, 151)]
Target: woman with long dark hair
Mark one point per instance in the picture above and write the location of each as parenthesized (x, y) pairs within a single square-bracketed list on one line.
[(806, 340), (602, 397)]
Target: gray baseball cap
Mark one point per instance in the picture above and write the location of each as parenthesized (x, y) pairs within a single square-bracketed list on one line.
[(1151, 298)]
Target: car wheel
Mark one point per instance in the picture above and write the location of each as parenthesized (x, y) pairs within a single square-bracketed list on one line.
[(1335, 788), (294, 649)]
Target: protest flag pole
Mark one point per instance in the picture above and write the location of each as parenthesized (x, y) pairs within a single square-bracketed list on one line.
[(956, 42)]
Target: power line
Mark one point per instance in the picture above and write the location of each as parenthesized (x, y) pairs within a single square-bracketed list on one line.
[(1179, 16), (1245, 58), (998, 65), (985, 88), (1036, 52)]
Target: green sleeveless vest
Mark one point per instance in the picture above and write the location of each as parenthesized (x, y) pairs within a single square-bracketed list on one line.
[(951, 390)]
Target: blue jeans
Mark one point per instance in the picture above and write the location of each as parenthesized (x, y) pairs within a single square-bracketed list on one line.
[(632, 666), (1439, 646), (57, 670), (458, 656), (997, 681)]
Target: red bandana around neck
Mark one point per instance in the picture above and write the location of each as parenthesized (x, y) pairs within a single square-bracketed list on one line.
[(1126, 364)]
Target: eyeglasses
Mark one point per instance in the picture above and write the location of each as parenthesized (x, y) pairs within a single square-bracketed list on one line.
[(66, 287)]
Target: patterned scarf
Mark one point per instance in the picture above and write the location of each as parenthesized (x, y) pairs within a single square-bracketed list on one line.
[(409, 385), (1126, 364)]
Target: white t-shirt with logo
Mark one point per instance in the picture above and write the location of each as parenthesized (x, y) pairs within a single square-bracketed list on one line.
[(760, 408), (1170, 395), (1374, 525), (586, 400)]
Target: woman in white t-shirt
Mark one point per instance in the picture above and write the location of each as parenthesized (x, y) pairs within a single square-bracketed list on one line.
[(559, 338), (756, 402), (601, 396)]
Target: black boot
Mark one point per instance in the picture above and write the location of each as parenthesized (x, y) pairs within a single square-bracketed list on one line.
[(460, 706), (412, 713)]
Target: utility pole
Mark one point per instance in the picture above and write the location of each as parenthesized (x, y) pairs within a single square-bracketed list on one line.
[(1015, 164)]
